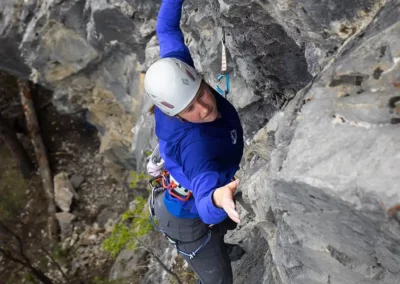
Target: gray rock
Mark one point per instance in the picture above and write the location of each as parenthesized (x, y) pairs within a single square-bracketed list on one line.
[(127, 262), (322, 196), (75, 265), (76, 180), (324, 75), (105, 215), (139, 264), (65, 222), (109, 225), (257, 264), (64, 191)]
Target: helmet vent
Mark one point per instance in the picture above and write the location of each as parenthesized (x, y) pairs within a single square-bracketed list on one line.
[(151, 96), (167, 105), (190, 75), (185, 81)]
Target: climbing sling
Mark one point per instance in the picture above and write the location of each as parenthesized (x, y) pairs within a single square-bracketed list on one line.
[(224, 75)]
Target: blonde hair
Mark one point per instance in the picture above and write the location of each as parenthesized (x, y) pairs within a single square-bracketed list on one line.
[(152, 109)]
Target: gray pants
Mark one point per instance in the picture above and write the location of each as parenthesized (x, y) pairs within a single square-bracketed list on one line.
[(212, 263)]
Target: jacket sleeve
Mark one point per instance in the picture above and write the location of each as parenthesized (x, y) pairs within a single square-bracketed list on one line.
[(204, 176), (169, 34), (203, 186)]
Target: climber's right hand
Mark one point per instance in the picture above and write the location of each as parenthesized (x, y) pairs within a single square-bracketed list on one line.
[(223, 198)]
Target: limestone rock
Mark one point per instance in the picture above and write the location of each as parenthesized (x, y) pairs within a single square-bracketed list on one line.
[(105, 215), (65, 221), (316, 86), (127, 262), (321, 199), (76, 180), (64, 191)]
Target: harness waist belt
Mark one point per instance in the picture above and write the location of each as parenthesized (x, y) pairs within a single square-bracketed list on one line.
[(179, 188)]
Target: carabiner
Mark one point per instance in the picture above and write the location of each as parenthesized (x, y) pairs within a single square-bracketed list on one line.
[(225, 92)]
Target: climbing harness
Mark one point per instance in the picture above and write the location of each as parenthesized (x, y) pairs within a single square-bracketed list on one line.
[(224, 75), (166, 182)]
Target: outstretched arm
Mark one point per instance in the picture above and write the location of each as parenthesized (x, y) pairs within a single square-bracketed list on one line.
[(170, 37), (211, 187)]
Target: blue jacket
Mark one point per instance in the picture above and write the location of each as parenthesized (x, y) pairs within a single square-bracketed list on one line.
[(200, 156)]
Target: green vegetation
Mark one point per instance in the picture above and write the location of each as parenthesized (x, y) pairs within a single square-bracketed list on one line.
[(29, 278), (60, 254), (185, 274), (135, 177), (133, 224), (100, 280), (148, 153)]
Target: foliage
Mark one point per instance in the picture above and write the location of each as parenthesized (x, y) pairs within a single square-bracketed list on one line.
[(60, 254), (29, 278), (135, 177), (133, 224), (24, 276), (100, 280), (148, 153), (185, 274)]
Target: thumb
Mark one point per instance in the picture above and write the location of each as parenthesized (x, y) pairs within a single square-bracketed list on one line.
[(233, 185)]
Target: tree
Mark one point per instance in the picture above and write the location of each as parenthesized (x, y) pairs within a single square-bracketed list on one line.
[(12, 248), (41, 153)]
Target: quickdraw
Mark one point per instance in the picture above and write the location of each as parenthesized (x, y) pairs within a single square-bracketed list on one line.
[(224, 74)]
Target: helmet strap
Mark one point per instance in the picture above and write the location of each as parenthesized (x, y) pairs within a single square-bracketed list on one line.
[(180, 118)]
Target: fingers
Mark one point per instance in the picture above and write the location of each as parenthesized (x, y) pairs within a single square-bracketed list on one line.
[(233, 185), (230, 209), (234, 216)]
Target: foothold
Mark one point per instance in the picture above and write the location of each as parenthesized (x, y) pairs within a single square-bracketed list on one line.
[(393, 101), (377, 73), (394, 105), (395, 121), (354, 80), (382, 51)]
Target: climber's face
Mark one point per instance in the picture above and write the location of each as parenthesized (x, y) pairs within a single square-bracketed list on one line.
[(203, 107)]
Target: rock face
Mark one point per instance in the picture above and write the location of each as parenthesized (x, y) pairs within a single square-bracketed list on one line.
[(88, 52), (64, 220), (316, 84), (64, 191), (274, 47), (322, 194)]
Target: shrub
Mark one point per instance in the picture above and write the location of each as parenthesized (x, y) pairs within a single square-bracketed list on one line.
[(133, 224)]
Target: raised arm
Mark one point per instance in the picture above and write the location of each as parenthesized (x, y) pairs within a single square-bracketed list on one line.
[(170, 37)]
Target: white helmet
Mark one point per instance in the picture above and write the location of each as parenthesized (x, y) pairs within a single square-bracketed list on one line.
[(171, 84)]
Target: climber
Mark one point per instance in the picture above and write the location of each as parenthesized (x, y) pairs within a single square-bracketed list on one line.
[(201, 144)]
